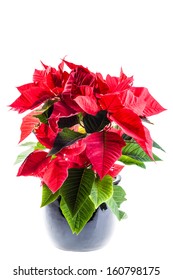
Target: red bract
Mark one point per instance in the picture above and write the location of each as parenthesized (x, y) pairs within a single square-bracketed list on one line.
[(74, 149), (151, 106), (61, 109), (78, 77), (34, 165), (50, 78), (28, 124), (55, 174), (32, 95), (80, 161), (110, 102), (47, 84), (57, 170), (117, 84), (87, 101), (45, 135), (102, 86), (115, 170), (82, 120), (132, 125), (126, 109), (103, 149)]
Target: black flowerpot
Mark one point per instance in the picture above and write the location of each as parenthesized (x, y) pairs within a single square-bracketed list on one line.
[(94, 235)]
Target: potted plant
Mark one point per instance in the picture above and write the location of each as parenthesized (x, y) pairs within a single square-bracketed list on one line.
[(87, 128)]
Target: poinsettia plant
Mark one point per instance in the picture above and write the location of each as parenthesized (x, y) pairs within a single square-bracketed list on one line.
[(87, 128)]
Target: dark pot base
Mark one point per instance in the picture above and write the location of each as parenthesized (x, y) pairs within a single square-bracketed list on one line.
[(94, 236)]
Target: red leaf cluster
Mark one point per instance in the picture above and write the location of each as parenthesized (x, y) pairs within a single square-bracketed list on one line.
[(56, 96)]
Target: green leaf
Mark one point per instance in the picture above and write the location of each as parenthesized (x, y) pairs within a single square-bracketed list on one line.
[(48, 104), (23, 155), (39, 146), (97, 122), (102, 190), (47, 196), (118, 195), (122, 215), (77, 188), (133, 150), (126, 137), (155, 145), (48, 108), (115, 202), (68, 122), (129, 161), (113, 207), (42, 118), (33, 146), (144, 119), (65, 138), (78, 221)]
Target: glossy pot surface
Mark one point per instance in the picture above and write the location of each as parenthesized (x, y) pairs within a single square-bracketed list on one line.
[(94, 235)]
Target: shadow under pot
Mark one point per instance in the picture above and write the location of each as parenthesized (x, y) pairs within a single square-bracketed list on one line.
[(95, 235)]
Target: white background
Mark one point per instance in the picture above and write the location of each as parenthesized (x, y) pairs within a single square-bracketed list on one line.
[(102, 35)]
